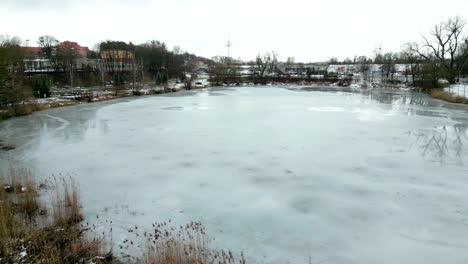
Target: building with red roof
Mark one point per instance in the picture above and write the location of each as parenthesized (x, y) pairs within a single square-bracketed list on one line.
[(81, 51)]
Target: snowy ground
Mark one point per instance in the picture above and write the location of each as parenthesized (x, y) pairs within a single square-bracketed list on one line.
[(50, 100), (285, 176), (458, 90)]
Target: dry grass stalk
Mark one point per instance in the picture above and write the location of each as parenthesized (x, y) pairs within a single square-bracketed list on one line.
[(18, 202), (187, 244), (65, 202), (448, 97)]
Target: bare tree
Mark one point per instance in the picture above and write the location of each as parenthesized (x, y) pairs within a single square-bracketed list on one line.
[(364, 66), (333, 60), (189, 70), (12, 88), (223, 69), (413, 62), (265, 64), (388, 67), (66, 57), (463, 61), (442, 49), (48, 44), (49, 48)]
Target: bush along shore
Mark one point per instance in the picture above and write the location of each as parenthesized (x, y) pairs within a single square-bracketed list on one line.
[(43, 223)]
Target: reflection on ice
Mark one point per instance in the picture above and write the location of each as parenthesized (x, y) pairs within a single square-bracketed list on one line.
[(443, 144)]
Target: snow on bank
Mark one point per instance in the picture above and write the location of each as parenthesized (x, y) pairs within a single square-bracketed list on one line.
[(458, 90), (49, 100)]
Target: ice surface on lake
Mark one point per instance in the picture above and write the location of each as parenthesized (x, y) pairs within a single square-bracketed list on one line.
[(283, 175)]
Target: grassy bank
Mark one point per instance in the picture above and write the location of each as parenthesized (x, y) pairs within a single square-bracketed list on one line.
[(32, 231), (30, 107), (448, 97)]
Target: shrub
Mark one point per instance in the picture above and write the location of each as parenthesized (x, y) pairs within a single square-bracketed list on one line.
[(41, 88), (26, 108)]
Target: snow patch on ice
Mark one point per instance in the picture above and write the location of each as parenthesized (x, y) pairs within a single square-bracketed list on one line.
[(370, 114), (326, 109)]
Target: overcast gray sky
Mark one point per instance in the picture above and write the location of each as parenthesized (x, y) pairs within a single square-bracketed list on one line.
[(309, 30)]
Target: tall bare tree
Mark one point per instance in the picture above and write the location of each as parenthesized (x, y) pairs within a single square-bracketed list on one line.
[(12, 88), (412, 61), (48, 44), (265, 64), (49, 48), (364, 66), (442, 48), (388, 67), (66, 57), (218, 69)]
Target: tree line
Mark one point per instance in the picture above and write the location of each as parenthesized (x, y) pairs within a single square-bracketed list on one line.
[(443, 54), (112, 62)]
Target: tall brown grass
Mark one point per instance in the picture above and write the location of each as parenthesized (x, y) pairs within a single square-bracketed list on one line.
[(448, 97), (187, 244), (28, 108), (28, 234), (18, 196), (65, 202)]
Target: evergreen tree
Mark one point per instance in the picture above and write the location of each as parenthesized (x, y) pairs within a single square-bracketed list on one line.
[(41, 88)]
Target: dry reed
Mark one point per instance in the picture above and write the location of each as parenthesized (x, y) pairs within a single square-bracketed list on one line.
[(29, 235), (448, 97)]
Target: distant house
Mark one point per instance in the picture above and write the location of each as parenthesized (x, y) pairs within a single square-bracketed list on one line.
[(33, 52), (201, 71), (375, 72), (246, 70), (36, 60), (302, 70), (80, 51)]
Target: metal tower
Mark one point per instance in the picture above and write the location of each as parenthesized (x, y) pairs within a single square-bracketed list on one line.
[(229, 45)]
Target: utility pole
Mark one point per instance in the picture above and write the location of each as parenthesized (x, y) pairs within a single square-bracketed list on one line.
[(71, 58), (229, 45)]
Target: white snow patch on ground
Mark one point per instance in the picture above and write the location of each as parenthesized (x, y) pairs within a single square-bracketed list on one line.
[(458, 90), (23, 254), (50, 100)]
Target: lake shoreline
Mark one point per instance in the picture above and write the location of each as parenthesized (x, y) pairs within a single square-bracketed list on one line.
[(37, 105)]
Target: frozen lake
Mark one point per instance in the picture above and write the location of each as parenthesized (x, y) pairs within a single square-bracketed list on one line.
[(286, 176)]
